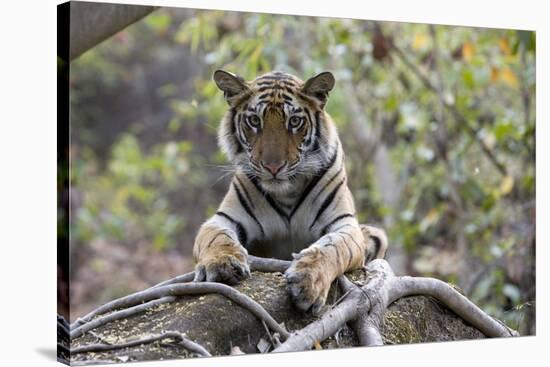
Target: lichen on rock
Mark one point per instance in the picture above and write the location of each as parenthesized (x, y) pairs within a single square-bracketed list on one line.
[(220, 325)]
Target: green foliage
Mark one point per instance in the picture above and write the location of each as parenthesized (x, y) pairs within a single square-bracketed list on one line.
[(448, 187), (128, 202)]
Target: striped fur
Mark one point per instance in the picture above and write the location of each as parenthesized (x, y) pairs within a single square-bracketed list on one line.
[(289, 197)]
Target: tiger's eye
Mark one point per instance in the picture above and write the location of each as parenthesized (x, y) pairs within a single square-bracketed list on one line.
[(254, 121), (295, 122)]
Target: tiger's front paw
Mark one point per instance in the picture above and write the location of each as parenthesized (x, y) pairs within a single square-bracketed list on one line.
[(227, 264), (309, 280)]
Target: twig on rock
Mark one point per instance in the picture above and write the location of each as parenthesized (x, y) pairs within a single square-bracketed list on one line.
[(345, 284), (184, 278), (321, 329), (367, 326), (117, 315), (369, 318), (63, 324), (456, 302), (189, 289), (364, 305), (354, 304), (178, 337), (267, 265), (256, 264)]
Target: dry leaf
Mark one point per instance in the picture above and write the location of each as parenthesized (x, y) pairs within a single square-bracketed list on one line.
[(419, 41), (508, 77), (317, 345), (504, 46), (495, 72), (468, 51)]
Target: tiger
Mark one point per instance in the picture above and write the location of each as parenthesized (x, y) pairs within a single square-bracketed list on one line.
[(289, 197)]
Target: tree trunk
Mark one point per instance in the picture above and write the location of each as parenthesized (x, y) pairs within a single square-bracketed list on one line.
[(92, 23)]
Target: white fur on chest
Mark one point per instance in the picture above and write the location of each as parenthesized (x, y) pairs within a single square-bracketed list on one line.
[(282, 237)]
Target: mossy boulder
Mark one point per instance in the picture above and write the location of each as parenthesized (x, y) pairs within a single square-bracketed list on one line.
[(219, 325)]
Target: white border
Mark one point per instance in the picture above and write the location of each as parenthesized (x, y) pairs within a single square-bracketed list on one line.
[(28, 173)]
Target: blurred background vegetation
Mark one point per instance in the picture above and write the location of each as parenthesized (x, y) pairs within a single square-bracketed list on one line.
[(438, 124)]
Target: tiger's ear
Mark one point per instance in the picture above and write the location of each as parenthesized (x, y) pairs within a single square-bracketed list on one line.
[(231, 84), (319, 86)]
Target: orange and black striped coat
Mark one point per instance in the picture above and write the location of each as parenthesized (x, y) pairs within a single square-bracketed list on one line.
[(289, 197)]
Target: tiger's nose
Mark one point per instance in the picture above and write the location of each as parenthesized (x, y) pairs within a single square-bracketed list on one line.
[(274, 167)]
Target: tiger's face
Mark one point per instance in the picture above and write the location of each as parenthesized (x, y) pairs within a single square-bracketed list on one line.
[(275, 129)]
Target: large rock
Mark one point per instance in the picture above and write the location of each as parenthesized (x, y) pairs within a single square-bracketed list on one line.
[(219, 325)]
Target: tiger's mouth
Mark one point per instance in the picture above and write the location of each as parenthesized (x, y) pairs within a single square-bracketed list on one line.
[(275, 180), (266, 177), (277, 186), (287, 176)]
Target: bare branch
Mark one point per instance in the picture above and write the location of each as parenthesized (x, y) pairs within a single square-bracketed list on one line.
[(369, 318), (190, 289), (367, 325), (364, 304), (358, 302), (178, 337), (256, 264), (117, 315), (321, 329), (369, 334), (184, 278), (368, 304), (345, 284), (459, 304), (267, 265)]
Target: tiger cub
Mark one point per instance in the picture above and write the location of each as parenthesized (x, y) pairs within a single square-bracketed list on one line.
[(289, 197)]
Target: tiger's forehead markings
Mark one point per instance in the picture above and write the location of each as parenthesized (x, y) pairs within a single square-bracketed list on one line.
[(277, 80), (275, 90), (276, 109)]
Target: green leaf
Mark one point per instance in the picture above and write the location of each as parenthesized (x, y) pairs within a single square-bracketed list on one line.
[(468, 78), (158, 21)]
